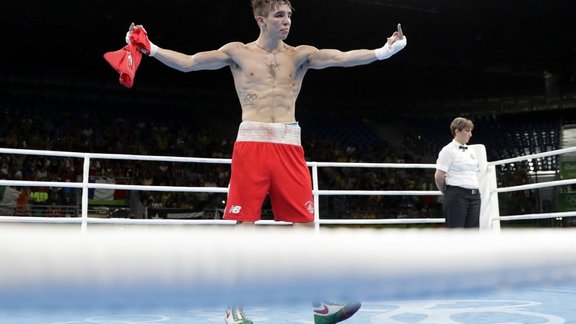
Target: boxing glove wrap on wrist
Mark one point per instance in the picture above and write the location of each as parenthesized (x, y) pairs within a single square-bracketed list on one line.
[(388, 50)]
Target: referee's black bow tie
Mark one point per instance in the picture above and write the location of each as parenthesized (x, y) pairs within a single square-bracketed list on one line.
[(463, 148)]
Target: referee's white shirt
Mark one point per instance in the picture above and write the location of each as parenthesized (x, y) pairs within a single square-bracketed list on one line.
[(460, 165)]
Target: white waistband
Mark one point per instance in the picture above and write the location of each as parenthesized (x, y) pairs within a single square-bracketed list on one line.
[(269, 133)]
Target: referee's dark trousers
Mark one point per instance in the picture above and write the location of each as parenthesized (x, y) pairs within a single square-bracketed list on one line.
[(461, 207)]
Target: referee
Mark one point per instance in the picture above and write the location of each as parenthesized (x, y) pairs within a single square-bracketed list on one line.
[(456, 178)]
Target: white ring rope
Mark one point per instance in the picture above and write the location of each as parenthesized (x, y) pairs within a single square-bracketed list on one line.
[(92, 185), (85, 185), (105, 156), (534, 156), (375, 165), (538, 216), (127, 221), (554, 183), (378, 193), (215, 265), (218, 266)]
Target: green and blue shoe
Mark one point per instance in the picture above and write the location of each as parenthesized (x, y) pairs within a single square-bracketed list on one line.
[(330, 313), (236, 316)]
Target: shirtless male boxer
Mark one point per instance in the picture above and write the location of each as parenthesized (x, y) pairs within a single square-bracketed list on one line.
[(267, 157)]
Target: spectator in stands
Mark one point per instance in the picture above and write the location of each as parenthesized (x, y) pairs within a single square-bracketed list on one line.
[(457, 179), (23, 203)]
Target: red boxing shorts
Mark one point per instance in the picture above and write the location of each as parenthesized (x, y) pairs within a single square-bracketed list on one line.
[(125, 61), (268, 159)]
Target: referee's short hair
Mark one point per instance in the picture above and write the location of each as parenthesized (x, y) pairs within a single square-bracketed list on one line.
[(461, 123)]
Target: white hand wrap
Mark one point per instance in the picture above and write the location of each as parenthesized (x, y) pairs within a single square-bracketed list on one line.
[(386, 51), (153, 49)]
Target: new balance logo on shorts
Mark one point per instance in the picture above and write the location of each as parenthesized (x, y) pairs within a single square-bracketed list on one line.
[(310, 207), (234, 209)]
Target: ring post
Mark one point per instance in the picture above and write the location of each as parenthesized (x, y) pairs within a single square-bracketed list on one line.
[(85, 181), (316, 198)]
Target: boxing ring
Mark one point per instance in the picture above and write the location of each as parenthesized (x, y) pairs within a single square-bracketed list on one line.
[(134, 272)]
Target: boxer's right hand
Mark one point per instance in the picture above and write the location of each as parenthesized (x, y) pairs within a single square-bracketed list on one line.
[(394, 44), (138, 37)]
